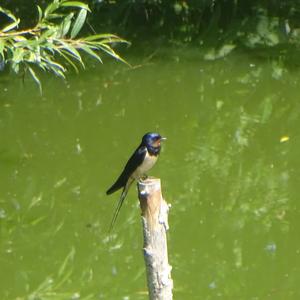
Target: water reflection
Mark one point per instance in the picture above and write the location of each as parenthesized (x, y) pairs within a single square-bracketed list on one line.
[(229, 169)]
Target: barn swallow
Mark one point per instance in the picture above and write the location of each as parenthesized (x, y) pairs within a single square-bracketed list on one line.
[(140, 162)]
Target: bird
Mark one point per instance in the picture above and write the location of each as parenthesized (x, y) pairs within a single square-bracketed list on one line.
[(140, 162)]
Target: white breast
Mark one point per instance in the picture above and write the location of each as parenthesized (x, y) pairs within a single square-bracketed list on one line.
[(147, 164)]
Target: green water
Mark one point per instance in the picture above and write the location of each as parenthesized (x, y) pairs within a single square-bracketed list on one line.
[(230, 169)]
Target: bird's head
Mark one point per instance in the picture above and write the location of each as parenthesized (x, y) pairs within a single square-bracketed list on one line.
[(152, 141)]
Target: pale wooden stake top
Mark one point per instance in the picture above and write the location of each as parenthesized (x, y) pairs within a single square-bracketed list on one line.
[(155, 224)]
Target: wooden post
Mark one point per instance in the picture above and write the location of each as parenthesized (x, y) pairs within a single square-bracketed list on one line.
[(155, 225)]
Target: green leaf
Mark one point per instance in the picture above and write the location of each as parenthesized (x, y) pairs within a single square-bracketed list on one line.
[(8, 13), (38, 47), (32, 57), (61, 52), (102, 36), (111, 52), (19, 38), (57, 72), (18, 55), (66, 28), (2, 47), (51, 8), (70, 50), (75, 4), (92, 53), (11, 26), (15, 67), (78, 23), (21, 42), (40, 13), (51, 64), (65, 25), (53, 67), (55, 16), (49, 32), (35, 78), (43, 66)]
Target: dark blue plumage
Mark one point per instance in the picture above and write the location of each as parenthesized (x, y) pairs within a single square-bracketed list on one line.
[(141, 161)]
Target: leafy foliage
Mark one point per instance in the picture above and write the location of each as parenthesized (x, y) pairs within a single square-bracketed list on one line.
[(52, 44), (252, 24)]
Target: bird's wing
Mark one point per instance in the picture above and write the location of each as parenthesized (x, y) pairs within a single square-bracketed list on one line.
[(134, 161)]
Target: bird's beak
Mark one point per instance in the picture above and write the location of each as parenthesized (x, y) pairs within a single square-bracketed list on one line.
[(163, 138)]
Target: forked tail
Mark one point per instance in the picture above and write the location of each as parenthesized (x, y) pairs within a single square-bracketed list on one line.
[(120, 203)]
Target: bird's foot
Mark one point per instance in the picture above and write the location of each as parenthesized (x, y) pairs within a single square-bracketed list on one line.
[(144, 177)]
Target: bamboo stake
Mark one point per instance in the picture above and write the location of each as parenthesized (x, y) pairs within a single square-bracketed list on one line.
[(155, 225)]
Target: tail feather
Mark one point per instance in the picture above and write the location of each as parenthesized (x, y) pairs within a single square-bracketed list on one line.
[(120, 203), (116, 213)]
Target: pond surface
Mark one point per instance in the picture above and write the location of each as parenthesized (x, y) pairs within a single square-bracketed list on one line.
[(230, 169)]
